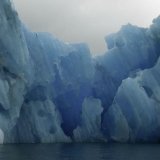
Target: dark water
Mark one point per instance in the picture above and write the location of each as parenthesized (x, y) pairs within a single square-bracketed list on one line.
[(80, 152)]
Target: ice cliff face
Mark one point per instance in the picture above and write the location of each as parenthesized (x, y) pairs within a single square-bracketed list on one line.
[(51, 91)]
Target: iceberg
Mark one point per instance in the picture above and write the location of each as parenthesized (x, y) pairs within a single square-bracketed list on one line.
[(52, 91)]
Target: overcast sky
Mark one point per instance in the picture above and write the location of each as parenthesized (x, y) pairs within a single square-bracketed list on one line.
[(86, 20)]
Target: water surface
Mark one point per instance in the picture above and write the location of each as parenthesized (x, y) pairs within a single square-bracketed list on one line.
[(86, 151)]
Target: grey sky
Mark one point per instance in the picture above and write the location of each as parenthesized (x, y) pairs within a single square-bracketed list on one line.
[(85, 20)]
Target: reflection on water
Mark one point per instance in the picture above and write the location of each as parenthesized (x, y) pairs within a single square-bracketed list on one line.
[(86, 151)]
